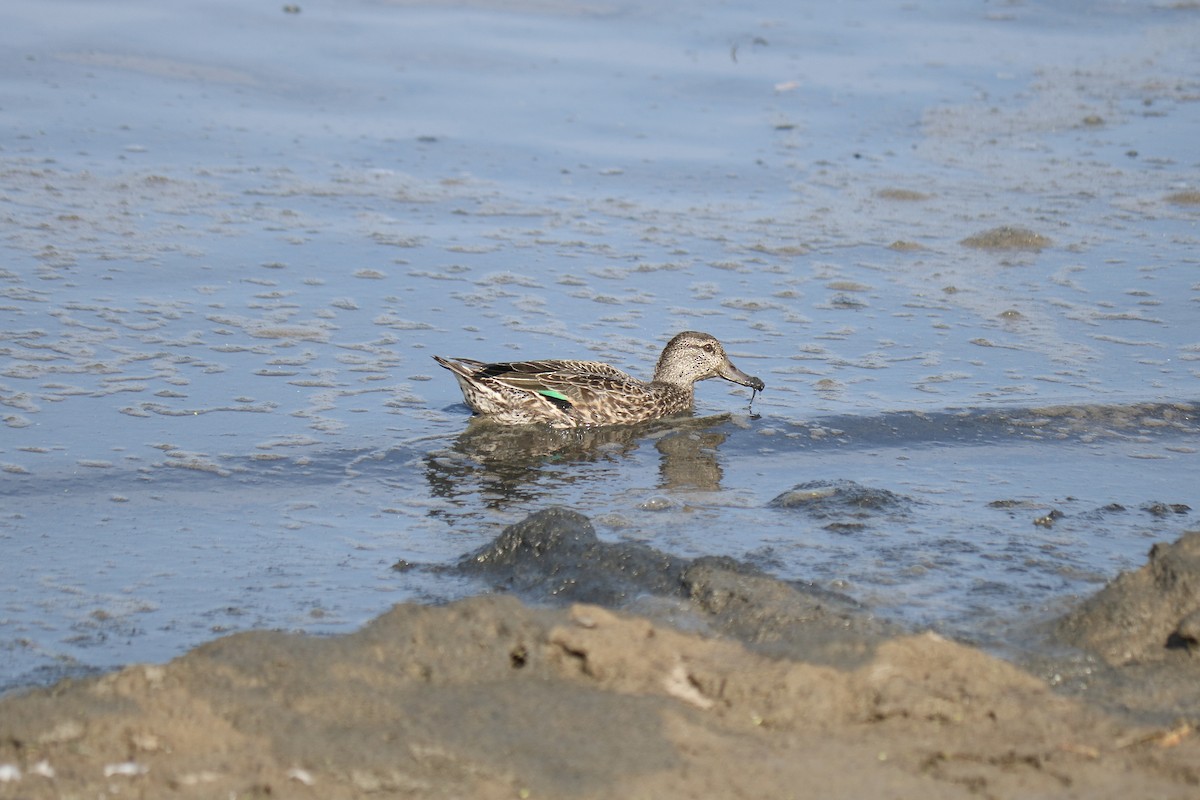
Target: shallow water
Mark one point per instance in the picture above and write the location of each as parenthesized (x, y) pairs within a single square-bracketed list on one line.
[(233, 237)]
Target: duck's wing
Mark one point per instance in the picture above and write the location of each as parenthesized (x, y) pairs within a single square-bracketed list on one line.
[(519, 369), (571, 382), (582, 390), (593, 368)]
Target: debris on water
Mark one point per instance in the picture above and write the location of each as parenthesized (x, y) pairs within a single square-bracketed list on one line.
[(1047, 519), (1164, 509), (1007, 238), (1184, 198)]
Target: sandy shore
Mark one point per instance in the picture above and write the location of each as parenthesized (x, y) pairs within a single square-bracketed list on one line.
[(755, 689)]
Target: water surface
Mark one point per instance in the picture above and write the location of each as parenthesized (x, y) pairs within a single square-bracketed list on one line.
[(233, 237)]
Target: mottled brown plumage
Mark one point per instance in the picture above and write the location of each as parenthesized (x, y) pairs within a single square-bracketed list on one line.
[(570, 394)]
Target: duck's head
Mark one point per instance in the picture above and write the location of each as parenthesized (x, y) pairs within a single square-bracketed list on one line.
[(693, 356)]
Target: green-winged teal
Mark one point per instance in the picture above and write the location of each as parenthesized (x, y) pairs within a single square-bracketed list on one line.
[(569, 394)]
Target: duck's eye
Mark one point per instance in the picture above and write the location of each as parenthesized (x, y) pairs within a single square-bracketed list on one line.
[(708, 347)]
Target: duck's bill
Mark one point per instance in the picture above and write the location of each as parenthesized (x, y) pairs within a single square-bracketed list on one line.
[(732, 373)]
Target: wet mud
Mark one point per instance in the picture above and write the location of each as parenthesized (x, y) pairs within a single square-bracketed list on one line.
[(554, 556), (1140, 635)]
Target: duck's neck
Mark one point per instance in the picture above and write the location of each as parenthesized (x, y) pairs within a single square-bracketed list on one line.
[(675, 377)]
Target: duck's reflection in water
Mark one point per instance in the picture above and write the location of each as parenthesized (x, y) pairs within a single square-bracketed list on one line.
[(509, 465)]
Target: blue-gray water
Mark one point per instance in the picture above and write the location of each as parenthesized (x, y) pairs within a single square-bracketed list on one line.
[(233, 236)]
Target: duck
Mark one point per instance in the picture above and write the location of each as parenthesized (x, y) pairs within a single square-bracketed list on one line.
[(575, 394)]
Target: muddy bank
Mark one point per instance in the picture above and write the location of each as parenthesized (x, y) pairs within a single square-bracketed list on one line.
[(1147, 615), (1140, 636), (492, 698), (751, 691)]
